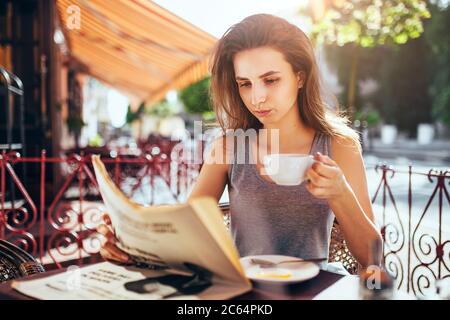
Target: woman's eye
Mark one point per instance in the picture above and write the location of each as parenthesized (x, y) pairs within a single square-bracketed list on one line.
[(244, 84), (271, 81)]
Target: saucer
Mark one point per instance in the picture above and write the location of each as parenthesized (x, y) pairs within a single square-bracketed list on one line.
[(284, 273)]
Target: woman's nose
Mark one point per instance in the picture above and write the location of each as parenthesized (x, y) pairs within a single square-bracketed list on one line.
[(259, 95)]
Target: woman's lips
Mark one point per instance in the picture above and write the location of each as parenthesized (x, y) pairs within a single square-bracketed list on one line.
[(262, 113)]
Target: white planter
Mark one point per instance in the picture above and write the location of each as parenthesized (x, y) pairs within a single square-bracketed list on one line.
[(365, 136), (173, 127), (425, 133), (150, 125), (388, 134)]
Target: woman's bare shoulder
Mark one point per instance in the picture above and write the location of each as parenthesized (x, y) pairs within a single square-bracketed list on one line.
[(347, 153), (345, 146)]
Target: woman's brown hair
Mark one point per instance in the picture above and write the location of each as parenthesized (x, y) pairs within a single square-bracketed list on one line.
[(264, 30)]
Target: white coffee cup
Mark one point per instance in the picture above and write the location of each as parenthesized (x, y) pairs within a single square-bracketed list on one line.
[(287, 169)]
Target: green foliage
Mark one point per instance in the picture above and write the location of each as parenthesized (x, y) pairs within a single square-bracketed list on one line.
[(209, 116), (403, 74), (340, 62), (368, 23), (441, 106), (196, 97), (162, 109), (96, 141), (371, 117), (75, 123), (134, 115), (412, 76), (413, 79), (437, 36)]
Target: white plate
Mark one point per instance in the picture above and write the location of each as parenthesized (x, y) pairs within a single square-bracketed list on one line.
[(284, 273)]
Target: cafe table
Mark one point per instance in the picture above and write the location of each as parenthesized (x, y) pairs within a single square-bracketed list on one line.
[(305, 290)]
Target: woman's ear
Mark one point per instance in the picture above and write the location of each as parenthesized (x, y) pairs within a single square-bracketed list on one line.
[(301, 77)]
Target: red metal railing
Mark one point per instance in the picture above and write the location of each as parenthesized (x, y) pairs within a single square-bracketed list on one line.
[(60, 225), (415, 225), (56, 226)]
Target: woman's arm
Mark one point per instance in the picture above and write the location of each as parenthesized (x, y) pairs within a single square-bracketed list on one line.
[(213, 175), (210, 182), (343, 183)]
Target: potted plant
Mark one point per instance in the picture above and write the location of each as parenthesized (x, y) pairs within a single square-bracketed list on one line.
[(388, 129), (75, 124), (368, 120), (425, 133), (133, 119), (167, 120), (388, 133)]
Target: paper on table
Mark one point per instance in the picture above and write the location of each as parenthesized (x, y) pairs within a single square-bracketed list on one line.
[(109, 281), (343, 289), (347, 288)]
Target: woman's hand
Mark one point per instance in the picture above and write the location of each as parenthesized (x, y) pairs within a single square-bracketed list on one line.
[(325, 179), (109, 250)]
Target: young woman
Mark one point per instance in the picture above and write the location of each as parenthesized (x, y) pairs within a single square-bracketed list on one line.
[(264, 77)]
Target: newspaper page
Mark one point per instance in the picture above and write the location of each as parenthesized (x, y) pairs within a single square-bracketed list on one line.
[(108, 281), (188, 243), (182, 237)]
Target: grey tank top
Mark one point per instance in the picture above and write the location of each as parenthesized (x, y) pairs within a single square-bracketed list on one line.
[(267, 218)]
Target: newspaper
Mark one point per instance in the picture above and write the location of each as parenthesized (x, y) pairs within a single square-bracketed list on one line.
[(178, 251)]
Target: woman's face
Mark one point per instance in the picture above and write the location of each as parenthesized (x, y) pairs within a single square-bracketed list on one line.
[(267, 84)]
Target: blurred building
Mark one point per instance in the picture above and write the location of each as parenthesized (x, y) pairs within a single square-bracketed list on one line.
[(53, 46)]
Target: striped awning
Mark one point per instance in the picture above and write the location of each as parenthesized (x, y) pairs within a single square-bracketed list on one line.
[(135, 45)]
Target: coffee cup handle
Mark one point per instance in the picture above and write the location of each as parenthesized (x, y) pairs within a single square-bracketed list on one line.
[(267, 161), (311, 162)]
